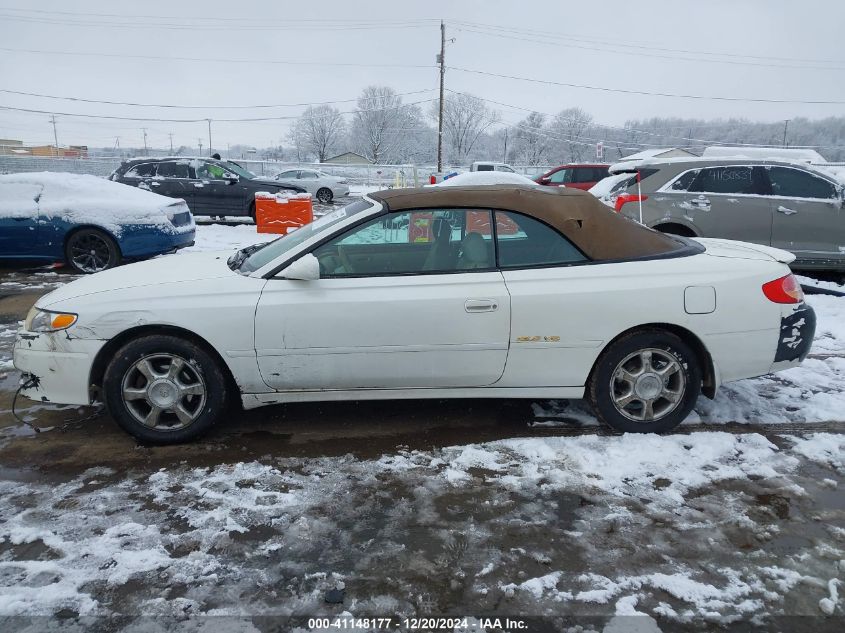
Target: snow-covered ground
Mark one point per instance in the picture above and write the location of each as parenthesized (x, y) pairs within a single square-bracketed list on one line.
[(706, 526)]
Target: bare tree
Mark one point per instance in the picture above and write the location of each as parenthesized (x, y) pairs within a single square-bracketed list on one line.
[(319, 130), (465, 119), (379, 122), (296, 137), (531, 143), (571, 124)]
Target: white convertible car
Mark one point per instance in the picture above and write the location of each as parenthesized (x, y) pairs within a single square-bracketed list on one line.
[(492, 291)]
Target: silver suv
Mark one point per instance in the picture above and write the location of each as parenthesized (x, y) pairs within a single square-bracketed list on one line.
[(786, 205)]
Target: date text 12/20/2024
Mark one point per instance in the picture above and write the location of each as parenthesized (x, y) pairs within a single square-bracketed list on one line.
[(417, 624)]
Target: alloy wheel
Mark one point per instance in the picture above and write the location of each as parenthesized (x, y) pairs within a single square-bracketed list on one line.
[(164, 392), (89, 252), (648, 385)]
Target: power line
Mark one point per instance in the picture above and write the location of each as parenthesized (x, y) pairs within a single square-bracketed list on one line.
[(204, 119), (616, 42), (673, 57), (192, 107), (643, 92), (216, 60)]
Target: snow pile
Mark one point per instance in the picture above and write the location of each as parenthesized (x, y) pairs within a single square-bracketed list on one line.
[(487, 178), (281, 197), (83, 199)]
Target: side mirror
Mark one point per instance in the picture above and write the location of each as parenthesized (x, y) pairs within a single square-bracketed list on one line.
[(306, 268), (545, 180), (232, 180)]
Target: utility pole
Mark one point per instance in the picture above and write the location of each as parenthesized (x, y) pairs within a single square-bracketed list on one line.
[(785, 126), (55, 136), (442, 60), (144, 130), (170, 134), (505, 150), (209, 137), (199, 142)]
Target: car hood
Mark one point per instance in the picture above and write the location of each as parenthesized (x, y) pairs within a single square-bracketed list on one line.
[(743, 250), (154, 272)]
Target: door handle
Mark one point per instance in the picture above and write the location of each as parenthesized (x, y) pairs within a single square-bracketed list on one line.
[(786, 211), (701, 202), (199, 185), (154, 184), (480, 305)]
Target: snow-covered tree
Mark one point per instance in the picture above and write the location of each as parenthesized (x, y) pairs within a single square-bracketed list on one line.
[(380, 124), (465, 119), (318, 131)]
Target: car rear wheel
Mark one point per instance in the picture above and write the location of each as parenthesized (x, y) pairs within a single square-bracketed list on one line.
[(91, 250), (325, 195), (164, 389), (645, 382)]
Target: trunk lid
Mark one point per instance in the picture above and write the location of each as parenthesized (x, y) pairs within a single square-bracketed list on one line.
[(744, 250)]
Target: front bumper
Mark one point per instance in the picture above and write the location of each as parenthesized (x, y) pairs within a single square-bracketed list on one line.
[(796, 335), (56, 366)]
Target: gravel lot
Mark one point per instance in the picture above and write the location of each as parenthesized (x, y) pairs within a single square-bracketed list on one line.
[(493, 508)]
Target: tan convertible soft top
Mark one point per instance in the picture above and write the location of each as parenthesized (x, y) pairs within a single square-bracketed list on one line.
[(596, 229)]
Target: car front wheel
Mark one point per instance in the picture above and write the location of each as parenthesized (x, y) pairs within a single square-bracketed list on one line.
[(645, 382), (164, 389), (324, 195), (91, 250)]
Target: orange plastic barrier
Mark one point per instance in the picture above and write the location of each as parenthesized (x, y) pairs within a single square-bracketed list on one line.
[(279, 213)]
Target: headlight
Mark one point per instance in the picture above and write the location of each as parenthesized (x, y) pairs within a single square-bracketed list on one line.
[(45, 321)]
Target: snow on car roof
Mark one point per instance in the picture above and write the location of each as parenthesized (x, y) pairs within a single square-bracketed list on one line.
[(600, 233), (82, 199), (487, 178)]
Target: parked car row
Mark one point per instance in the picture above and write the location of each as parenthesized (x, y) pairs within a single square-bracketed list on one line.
[(210, 187)]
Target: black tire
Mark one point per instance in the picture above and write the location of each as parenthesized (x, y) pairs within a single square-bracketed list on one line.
[(198, 368), (325, 195), (609, 385), (91, 251)]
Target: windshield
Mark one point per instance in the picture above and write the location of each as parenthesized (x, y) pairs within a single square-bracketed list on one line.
[(240, 171), (276, 248)]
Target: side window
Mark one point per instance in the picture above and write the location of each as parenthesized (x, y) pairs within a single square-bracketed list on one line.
[(583, 174), (172, 169), (484, 168), (145, 170), (291, 173), (795, 183), (600, 173), (524, 241), (561, 177), (413, 242), (732, 179), (308, 175), (505, 168), (685, 181), (211, 171)]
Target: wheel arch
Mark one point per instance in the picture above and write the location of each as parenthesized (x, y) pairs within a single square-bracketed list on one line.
[(76, 228), (676, 228), (101, 361), (709, 380)]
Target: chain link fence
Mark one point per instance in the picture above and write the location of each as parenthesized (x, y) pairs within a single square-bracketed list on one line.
[(365, 174)]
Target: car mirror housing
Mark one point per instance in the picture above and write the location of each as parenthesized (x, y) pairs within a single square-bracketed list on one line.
[(232, 180), (306, 268)]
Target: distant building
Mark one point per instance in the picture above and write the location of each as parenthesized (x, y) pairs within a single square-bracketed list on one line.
[(659, 152), (11, 147), (347, 158)]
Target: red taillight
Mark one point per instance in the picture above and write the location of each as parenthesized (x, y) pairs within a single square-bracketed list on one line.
[(625, 198), (784, 290)]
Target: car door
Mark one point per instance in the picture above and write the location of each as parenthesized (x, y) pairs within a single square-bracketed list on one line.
[(140, 175), (173, 179), (222, 192), (551, 298), (808, 218), (19, 227), (561, 177), (406, 300), (309, 180), (724, 201)]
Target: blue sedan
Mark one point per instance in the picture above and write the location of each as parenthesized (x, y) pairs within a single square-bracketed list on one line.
[(89, 222)]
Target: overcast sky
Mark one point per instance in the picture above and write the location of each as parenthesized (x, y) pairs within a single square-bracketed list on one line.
[(758, 49)]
